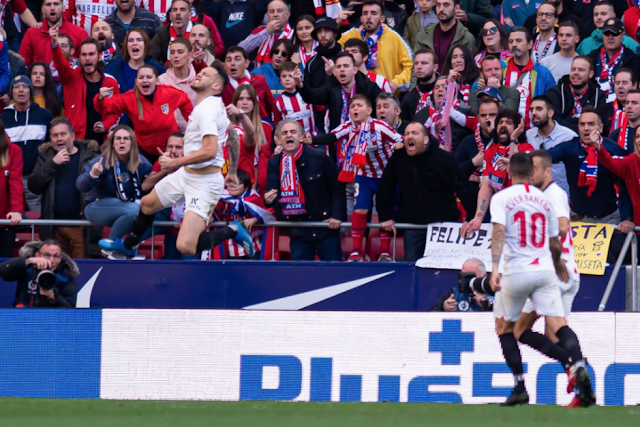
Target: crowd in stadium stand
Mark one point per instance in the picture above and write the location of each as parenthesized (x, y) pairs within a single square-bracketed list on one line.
[(408, 111)]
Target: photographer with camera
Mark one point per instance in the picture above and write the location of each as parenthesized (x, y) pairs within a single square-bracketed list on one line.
[(473, 292), (45, 276)]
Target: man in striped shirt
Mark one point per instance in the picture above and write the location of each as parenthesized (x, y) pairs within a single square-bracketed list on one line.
[(85, 13), (360, 52), (290, 105)]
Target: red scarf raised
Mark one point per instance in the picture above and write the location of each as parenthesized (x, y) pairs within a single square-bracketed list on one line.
[(291, 194), (620, 119), (588, 176)]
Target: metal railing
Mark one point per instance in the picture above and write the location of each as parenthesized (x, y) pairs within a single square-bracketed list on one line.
[(629, 241)]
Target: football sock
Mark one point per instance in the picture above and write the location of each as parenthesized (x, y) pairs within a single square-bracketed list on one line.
[(358, 227), (512, 355), (210, 239), (569, 341), (385, 241), (140, 225), (545, 346)]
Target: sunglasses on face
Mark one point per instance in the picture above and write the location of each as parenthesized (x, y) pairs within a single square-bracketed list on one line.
[(491, 30), (611, 33), (281, 53)]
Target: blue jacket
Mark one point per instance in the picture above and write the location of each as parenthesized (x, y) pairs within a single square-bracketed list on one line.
[(5, 71), (518, 11), (28, 129), (603, 201), (541, 78), (273, 79), (105, 186)]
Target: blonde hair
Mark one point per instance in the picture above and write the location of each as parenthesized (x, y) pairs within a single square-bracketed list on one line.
[(136, 92), (110, 157), (256, 120)]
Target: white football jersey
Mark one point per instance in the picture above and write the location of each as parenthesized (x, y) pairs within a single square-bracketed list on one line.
[(529, 222), (559, 201), (209, 117)]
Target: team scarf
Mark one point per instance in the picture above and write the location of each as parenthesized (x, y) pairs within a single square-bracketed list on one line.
[(173, 35), (245, 80), (306, 56), (608, 65), (588, 176), (477, 173), (120, 191), (622, 138), (504, 55), (441, 115), (344, 115), (577, 103), (497, 177), (536, 57), (250, 203), (332, 10), (291, 193), (465, 89), (352, 151), (425, 99), (372, 42), (107, 55), (620, 119), (511, 77), (264, 51)]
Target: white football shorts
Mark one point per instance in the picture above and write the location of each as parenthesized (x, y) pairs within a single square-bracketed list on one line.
[(568, 291)]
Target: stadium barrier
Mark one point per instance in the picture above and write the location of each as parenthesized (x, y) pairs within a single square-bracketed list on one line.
[(309, 356)]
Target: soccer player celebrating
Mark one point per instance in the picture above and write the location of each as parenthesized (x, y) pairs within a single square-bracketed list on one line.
[(525, 226), (197, 180)]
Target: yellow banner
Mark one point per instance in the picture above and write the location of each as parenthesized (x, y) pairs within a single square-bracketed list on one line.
[(591, 243)]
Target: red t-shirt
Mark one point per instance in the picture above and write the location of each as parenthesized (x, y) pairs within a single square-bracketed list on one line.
[(493, 153)]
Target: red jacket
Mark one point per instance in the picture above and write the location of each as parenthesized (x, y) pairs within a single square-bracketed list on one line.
[(627, 168), (263, 92), (36, 43), (159, 117), (11, 187), (75, 94)]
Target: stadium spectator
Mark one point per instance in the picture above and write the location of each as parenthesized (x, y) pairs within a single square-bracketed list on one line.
[(521, 73), (421, 168), (12, 196), (38, 255), (180, 75), (425, 67), (45, 93), (460, 60), (200, 38), (574, 92), (448, 33), (59, 164), (109, 49), (612, 56), (360, 52), (388, 110), (17, 7), (112, 182), (5, 70), (592, 187), (491, 77), (602, 12), (330, 8), (625, 135), (585, 12), (86, 14), (16, 67), (127, 16), (236, 64), (306, 46), (493, 41), (281, 52), (36, 41), (326, 33), (453, 300), (631, 19), (198, 16), (151, 108), (291, 105), (562, 14), (388, 56), (262, 38), (614, 116), (515, 12), (546, 133), (545, 43), (80, 86), (422, 17), (560, 62), (235, 19), (27, 125), (68, 50), (305, 198)]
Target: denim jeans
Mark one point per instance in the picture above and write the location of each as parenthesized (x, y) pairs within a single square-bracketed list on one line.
[(328, 249), (112, 212), (414, 243)]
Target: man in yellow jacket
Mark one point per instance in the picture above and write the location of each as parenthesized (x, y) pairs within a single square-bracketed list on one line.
[(389, 54)]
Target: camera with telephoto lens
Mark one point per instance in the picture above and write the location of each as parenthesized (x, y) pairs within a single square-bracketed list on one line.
[(46, 279), (471, 285)]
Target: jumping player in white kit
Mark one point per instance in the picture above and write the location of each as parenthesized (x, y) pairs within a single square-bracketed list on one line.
[(197, 179), (526, 227)]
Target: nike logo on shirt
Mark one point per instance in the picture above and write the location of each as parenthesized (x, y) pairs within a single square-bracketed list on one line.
[(234, 19)]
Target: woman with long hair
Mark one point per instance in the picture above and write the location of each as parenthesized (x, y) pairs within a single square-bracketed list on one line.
[(306, 47), (460, 60), (151, 108), (45, 93), (493, 40), (180, 74), (113, 182), (281, 52), (11, 192)]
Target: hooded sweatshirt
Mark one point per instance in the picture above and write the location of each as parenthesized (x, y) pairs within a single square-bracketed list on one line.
[(594, 42), (169, 78), (28, 129), (563, 103)]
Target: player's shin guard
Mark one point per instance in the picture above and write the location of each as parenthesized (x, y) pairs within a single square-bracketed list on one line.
[(210, 239), (545, 346), (140, 225), (358, 227), (512, 356), (569, 341)]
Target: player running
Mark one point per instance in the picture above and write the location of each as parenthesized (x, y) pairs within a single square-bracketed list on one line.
[(197, 180), (525, 226)]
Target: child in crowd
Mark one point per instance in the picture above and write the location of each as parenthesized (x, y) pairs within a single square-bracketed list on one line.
[(290, 105), (422, 17)]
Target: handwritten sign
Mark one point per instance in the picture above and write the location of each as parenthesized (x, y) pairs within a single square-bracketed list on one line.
[(447, 249), (591, 244)]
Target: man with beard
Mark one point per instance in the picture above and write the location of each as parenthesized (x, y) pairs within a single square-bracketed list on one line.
[(85, 13), (562, 16), (625, 135), (614, 115), (36, 41), (586, 12), (262, 38), (574, 92), (546, 41), (425, 67), (326, 33), (389, 55), (560, 62), (423, 169), (126, 15), (491, 74), (179, 26), (200, 38), (80, 86), (547, 133), (109, 49), (602, 12), (508, 139)]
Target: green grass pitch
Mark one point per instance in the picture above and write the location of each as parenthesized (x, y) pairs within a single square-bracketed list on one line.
[(98, 413)]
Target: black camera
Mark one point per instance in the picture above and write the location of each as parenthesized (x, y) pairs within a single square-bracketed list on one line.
[(46, 279), (471, 285)]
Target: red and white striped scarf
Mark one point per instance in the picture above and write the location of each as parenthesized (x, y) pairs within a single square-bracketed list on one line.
[(424, 101), (332, 10), (264, 51), (173, 35), (352, 151), (620, 119), (107, 55), (245, 80), (306, 56), (443, 134), (465, 90), (291, 194)]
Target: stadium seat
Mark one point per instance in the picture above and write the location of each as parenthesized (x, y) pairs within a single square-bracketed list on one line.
[(284, 249), (158, 247)]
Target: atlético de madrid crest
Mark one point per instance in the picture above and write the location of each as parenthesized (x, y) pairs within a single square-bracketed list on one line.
[(165, 108)]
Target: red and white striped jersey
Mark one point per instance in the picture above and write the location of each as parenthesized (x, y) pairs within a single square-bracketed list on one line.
[(85, 13), (379, 148), (17, 6), (292, 107), (159, 7), (381, 81)]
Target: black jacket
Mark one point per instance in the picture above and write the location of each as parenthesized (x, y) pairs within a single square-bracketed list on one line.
[(410, 100), (43, 178), (458, 133), (314, 74), (429, 184), (562, 100), (630, 60), (65, 289), (325, 196)]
